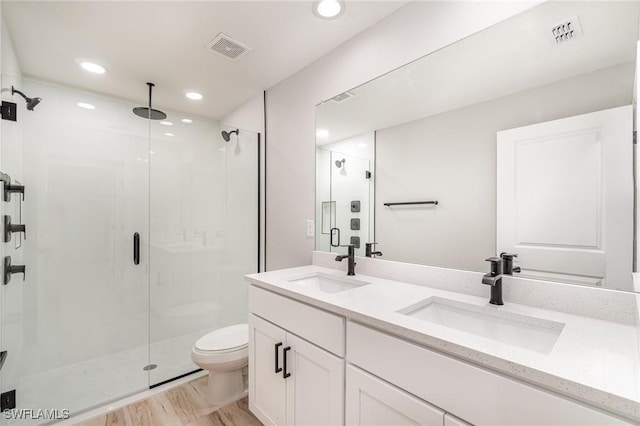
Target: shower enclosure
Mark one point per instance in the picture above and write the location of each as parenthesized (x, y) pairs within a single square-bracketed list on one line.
[(88, 324)]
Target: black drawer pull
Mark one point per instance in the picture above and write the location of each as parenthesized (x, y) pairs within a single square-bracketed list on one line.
[(136, 248), (278, 368), (285, 373)]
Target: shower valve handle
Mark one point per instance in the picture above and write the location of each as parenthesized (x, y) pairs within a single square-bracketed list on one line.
[(10, 269), (10, 188)]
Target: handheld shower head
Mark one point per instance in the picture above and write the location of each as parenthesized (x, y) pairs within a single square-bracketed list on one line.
[(31, 102), (227, 135)]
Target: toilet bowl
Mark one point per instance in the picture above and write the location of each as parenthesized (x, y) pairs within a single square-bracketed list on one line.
[(224, 353)]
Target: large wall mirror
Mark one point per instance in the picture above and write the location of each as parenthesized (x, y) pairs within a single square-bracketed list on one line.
[(522, 134)]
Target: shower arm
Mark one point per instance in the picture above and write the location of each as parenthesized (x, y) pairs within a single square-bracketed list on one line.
[(14, 90)]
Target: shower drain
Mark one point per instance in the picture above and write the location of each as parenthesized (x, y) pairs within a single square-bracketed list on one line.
[(150, 367)]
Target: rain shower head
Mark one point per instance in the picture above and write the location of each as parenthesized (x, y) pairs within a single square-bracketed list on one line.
[(227, 135), (148, 112), (31, 102), (340, 163)]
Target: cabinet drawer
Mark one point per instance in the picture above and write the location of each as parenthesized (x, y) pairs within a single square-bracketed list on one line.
[(372, 401), (472, 393), (317, 326)]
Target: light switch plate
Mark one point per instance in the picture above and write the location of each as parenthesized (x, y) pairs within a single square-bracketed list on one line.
[(311, 228)]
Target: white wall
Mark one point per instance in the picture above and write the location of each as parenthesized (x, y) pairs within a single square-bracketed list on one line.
[(413, 31), (451, 157)]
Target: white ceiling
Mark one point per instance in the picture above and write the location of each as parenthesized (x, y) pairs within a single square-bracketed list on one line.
[(165, 42), (510, 57)]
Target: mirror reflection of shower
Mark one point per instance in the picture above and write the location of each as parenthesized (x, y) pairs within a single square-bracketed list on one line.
[(31, 102)]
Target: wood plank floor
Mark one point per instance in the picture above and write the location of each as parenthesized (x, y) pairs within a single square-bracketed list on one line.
[(185, 405)]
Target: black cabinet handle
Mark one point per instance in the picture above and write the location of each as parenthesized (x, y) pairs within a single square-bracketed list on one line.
[(278, 368), (136, 248), (285, 373)]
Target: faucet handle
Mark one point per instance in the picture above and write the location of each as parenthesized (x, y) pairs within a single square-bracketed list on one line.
[(494, 259), (507, 256)]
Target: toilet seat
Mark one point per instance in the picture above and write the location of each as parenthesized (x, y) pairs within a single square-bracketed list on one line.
[(228, 339)]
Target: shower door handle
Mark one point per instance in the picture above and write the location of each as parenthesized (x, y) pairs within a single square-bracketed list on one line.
[(136, 248)]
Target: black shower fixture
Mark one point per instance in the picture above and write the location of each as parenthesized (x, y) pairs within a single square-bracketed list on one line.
[(227, 135), (148, 112), (31, 102)]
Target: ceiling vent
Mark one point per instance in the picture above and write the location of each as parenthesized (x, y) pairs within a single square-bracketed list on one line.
[(342, 97), (566, 31), (229, 48)]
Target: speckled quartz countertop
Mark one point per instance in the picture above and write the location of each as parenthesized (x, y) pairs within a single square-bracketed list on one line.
[(592, 360)]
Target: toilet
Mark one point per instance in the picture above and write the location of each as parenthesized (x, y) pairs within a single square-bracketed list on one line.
[(225, 354)]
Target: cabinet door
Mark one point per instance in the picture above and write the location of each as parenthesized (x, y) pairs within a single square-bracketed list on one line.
[(450, 420), (374, 402), (267, 389), (315, 389)]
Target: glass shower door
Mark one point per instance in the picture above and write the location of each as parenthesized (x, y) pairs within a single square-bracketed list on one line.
[(76, 329), (204, 236)]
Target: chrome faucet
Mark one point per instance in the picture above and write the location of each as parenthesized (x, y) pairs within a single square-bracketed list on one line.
[(494, 279), (352, 259)]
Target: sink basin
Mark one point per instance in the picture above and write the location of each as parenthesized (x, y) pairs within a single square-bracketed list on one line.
[(327, 283), (527, 332)]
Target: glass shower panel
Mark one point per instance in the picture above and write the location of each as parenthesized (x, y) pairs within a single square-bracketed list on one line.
[(76, 329), (204, 235)]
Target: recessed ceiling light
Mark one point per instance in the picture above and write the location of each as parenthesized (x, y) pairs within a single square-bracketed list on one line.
[(169, 134), (193, 96), (328, 9), (166, 123), (91, 67), (187, 120), (322, 133), (85, 105)]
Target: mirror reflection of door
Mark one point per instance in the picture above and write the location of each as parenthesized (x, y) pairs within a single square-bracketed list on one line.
[(564, 201), (344, 194)]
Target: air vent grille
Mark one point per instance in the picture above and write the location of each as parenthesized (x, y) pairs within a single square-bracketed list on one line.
[(224, 45), (566, 31), (342, 97)]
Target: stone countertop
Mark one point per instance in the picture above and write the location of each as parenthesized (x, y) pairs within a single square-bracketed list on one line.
[(594, 361)]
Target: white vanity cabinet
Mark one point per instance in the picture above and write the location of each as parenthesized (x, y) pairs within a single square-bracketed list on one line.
[(464, 390), (342, 372), (293, 381)]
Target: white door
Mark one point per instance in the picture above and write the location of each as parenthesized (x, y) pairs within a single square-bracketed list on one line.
[(315, 389), (371, 401), (565, 198), (267, 387)]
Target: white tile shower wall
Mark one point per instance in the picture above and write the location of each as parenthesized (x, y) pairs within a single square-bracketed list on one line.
[(413, 31), (14, 308), (462, 230), (250, 116), (610, 305)]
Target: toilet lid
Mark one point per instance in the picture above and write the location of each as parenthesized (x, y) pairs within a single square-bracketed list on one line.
[(225, 338)]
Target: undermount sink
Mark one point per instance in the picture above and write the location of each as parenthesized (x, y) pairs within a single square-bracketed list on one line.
[(527, 332), (327, 283)]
